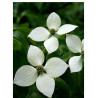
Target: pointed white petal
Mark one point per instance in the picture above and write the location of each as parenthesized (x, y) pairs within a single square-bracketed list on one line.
[(73, 43), (35, 56), (25, 76), (75, 63), (83, 44), (51, 44), (55, 67), (39, 34), (66, 28), (53, 21), (45, 85)]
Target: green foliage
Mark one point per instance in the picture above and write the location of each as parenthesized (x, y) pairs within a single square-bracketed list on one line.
[(27, 16), (70, 79), (81, 81), (34, 93), (81, 78), (16, 44), (61, 89), (20, 57)]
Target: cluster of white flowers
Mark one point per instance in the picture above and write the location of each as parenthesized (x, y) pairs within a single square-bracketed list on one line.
[(54, 67)]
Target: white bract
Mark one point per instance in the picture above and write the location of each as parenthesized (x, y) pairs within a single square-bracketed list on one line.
[(42, 75), (76, 46), (42, 34)]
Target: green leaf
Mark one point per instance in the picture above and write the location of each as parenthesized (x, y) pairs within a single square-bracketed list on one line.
[(21, 37), (70, 79), (32, 18), (20, 57), (16, 44), (39, 5), (66, 56), (61, 89), (34, 93), (20, 25), (15, 9), (20, 92), (81, 80), (22, 28), (81, 77)]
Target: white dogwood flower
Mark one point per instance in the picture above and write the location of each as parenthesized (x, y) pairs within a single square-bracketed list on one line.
[(42, 34), (76, 46), (42, 75)]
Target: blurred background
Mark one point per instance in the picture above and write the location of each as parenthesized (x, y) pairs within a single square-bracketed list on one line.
[(29, 15)]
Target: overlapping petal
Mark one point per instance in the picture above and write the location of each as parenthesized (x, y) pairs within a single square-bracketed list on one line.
[(51, 44), (39, 34), (75, 63), (25, 76), (66, 28), (53, 21), (45, 85), (55, 67), (73, 43), (35, 56)]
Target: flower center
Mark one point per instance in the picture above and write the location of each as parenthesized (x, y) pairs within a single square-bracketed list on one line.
[(40, 69), (52, 31)]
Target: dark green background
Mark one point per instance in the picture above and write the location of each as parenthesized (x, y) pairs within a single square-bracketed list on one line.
[(27, 16)]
